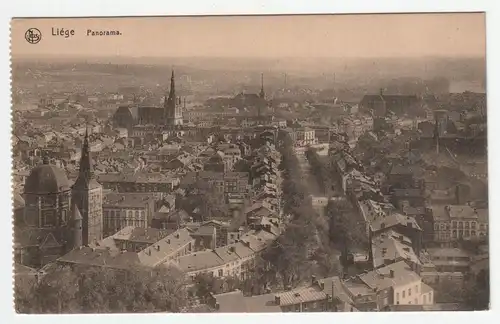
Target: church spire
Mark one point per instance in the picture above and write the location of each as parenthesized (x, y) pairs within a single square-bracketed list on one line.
[(171, 95), (262, 93), (85, 173)]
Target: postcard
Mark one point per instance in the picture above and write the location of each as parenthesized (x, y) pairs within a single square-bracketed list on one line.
[(252, 164)]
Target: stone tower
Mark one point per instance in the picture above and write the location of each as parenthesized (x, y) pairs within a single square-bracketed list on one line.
[(86, 195), (173, 106), (77, 227)]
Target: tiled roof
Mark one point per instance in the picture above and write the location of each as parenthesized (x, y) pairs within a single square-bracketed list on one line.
[(392, 220), (199, 261), (302, 295), (462, 211), (381, 278), (139, 234), (332, 286), (235, 302), (133, 200), (385, 247), (101, 257), (160, 251)]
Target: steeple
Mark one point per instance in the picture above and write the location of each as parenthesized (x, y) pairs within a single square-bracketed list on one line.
[(262, 93), (85, 173), (171, 95)]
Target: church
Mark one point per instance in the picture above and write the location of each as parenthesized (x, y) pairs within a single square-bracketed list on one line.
[(58, 217), (168, 116)]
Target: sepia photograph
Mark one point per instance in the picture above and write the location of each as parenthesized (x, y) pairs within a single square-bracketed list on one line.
[(250, 164)]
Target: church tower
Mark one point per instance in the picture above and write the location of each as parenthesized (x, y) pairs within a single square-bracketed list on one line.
[(77, 227), (86, 196), (173, 106), (262, 94)]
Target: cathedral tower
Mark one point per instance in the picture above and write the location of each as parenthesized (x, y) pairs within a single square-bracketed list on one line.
[(86, 196), (262, 94), (173, 106)]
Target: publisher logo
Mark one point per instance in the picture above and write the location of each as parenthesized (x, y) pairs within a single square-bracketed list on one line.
[(33, 35)]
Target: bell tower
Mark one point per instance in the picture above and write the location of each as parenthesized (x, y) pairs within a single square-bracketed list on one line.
[(173, 106), (86, 195)]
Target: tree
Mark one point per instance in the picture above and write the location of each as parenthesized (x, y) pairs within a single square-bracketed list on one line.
[(103, 290), (320, 170), (346, 229)]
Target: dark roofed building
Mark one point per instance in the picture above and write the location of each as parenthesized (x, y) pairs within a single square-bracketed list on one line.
[(381, 104)]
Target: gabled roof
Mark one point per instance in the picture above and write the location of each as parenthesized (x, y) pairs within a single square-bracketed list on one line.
[(393, 219), (381, 278), (159, 252)]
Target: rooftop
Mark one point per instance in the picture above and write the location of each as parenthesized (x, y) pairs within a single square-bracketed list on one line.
[(462, 211), (132, 200), (142, 235), (447, 252), (139, 177), (393, 219), (381, 278), (387, 247), (301, 295), (161, 250), (235, 302), (101, 257)]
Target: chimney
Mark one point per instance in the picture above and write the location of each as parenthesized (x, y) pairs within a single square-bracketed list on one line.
[(217, 306), (391, 273), (157, 248), (313, 280), (277, 300)]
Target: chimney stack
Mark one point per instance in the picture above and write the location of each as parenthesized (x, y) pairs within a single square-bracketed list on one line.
[(277, 300), (313, 280), (391, 273)]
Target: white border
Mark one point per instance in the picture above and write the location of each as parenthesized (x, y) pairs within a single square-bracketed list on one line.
[(54, 8)]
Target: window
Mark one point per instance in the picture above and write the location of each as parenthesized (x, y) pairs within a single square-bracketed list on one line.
[(416, 289), (297, 308), (48, 218), (397, 297), (409, 291), (64, 216), (454, 224), (221, 272), (473, 225)]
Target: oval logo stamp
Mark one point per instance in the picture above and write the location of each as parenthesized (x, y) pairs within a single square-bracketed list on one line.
[(33, 35)]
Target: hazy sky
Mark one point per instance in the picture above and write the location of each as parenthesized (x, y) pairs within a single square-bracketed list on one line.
[(398, 35)]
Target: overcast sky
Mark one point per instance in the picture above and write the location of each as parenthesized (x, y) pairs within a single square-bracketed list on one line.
[(390, 35)]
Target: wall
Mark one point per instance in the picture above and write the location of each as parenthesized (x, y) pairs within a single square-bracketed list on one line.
[(408, 298)]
